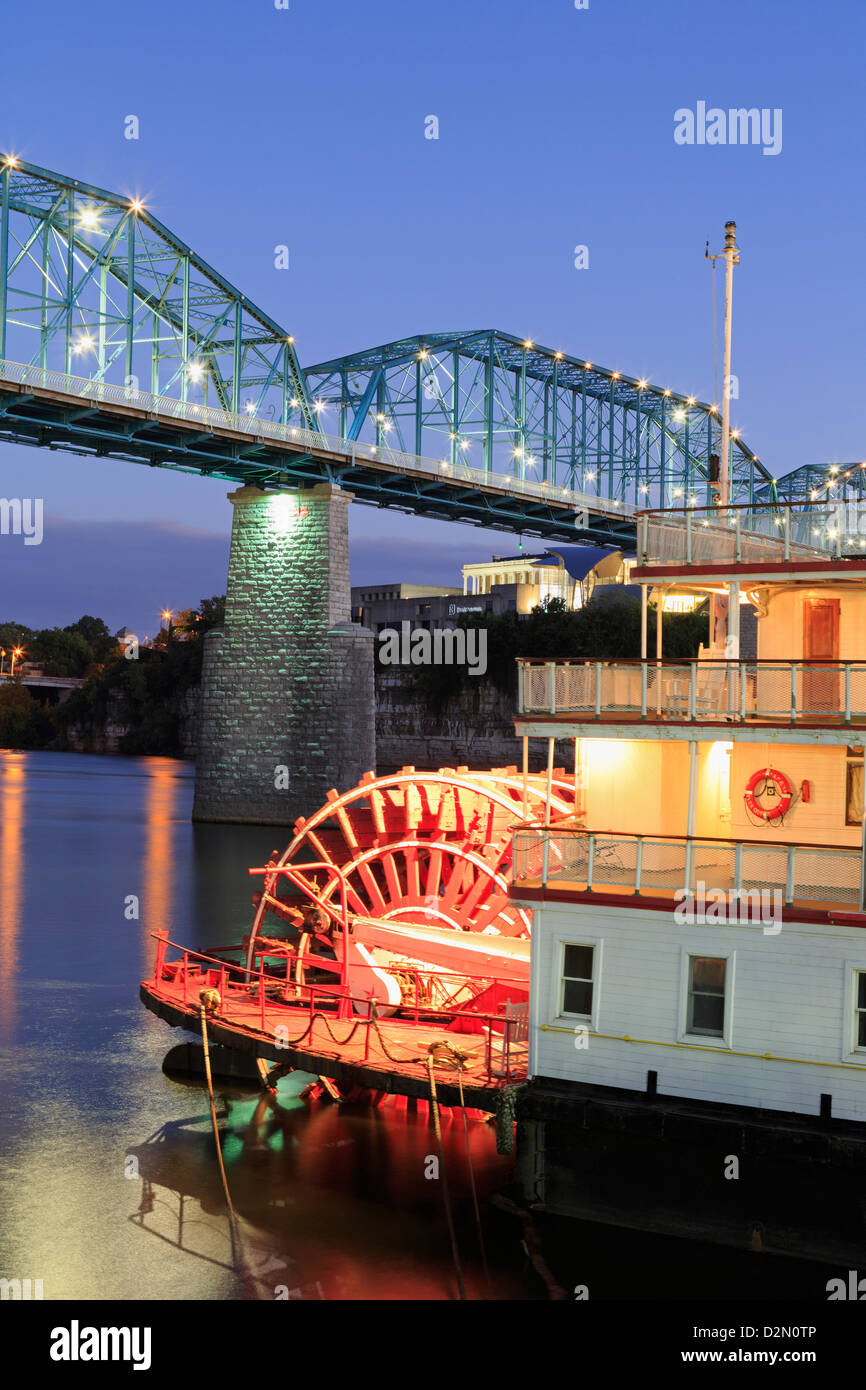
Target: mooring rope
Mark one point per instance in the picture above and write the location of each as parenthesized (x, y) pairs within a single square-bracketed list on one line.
[(472, 1185), (435, 1106), (239, 1260), (216, 1133)]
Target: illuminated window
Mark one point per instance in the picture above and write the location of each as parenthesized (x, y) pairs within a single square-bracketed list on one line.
[(707, 995), (853, 786), (577, 980)]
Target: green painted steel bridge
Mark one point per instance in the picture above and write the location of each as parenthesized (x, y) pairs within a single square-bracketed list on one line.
[(118, 340)]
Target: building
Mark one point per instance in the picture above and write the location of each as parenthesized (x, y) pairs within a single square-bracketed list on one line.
[(699, 930), (503, 584)]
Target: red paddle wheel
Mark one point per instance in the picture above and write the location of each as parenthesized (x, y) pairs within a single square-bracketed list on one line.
[(430, 848)]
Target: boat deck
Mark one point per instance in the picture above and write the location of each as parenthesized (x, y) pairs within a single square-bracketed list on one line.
[(384, 1054)]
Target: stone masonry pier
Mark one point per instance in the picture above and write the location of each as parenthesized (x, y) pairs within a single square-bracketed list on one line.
[(287, 685)]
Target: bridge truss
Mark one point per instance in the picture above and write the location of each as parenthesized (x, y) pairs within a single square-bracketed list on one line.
[(116, 339), (510, 406), (92, 285)]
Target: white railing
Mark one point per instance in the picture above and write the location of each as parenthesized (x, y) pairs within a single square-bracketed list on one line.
[(212, 417), (749, 534), (738, 692), (652, 864)]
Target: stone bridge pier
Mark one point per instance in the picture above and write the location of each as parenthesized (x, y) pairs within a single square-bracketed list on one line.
[(287, 684)]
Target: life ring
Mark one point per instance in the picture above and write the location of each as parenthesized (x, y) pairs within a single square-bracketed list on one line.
[(781, 785)]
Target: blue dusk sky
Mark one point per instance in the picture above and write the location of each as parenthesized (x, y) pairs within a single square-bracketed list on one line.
[(305, 126)]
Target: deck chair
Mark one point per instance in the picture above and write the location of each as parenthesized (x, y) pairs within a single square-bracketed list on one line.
[(509, 1049)]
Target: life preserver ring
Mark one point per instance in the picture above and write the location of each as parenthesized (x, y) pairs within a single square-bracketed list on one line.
[(771, 778)]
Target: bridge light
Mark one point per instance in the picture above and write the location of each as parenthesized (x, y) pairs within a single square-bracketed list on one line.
[(136, 205), (557, 354), (517, 453), (678, 492), (11, 161), (614, 376), (714, 409), (423, 354), (250, 408), (735, 434), (83, 343), (464, 444), (642, 385), (643, 488), (318, 405), (294, 402), (290, 339), (691, 400), (530, 459), (590, 477), (679, 415), (195, 371), (89, 217), (586, 366), (528, 343), (666, 392)]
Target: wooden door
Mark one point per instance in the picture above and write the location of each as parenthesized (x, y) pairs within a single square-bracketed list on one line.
[(821, 645)]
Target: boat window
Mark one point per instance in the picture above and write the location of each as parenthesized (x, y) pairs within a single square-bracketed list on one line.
[(577, 980), (707, 995)]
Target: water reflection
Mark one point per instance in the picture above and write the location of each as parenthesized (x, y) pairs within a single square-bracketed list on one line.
[(12, 797), (333, 1202)]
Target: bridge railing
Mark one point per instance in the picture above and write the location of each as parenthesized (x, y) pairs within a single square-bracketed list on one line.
[(666, 865), (766, 531), (213, 417), (735, 692)]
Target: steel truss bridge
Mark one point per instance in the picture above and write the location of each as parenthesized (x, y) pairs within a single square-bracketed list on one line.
[(118, 340)]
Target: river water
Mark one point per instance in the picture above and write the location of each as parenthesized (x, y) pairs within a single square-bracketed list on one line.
[(109, 1185)]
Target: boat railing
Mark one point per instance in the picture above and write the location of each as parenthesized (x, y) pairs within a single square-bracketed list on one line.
[(754, 532), (660, 865), (196, 971), (712, 690)]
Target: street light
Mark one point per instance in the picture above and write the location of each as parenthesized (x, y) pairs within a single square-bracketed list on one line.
[(16, 651)]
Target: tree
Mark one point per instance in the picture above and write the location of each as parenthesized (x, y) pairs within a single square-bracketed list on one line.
[(97, 636)]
